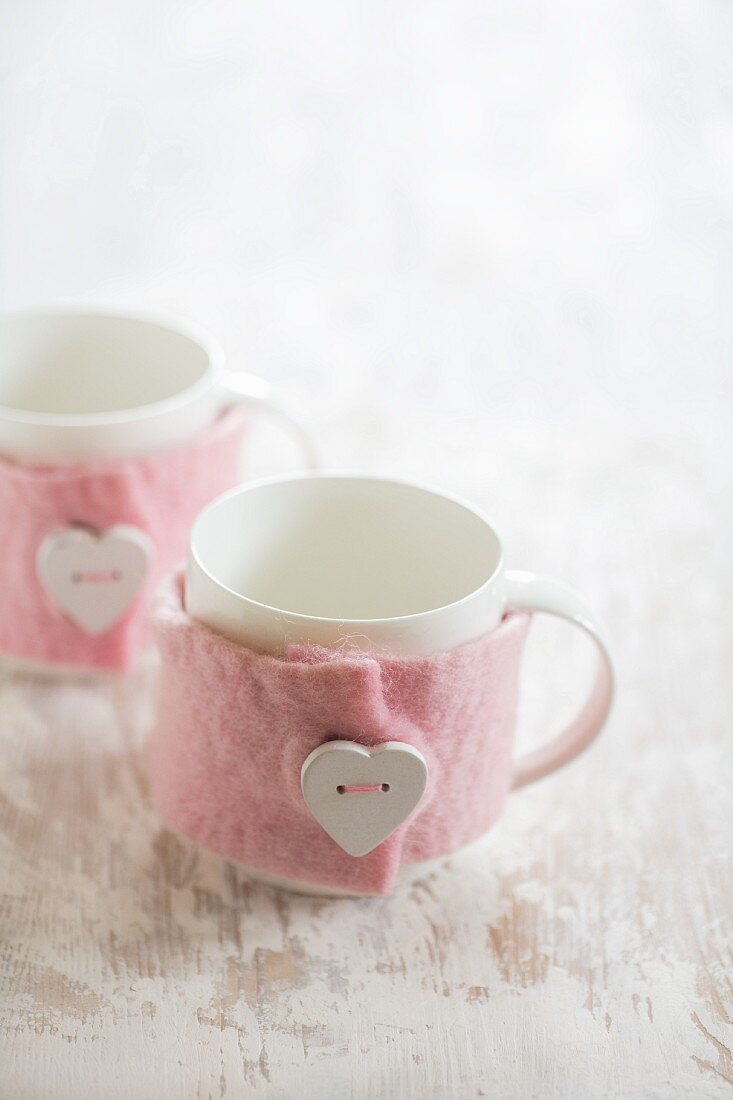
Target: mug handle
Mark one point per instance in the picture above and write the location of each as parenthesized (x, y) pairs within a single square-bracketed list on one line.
[(244, 388), (530, 592)]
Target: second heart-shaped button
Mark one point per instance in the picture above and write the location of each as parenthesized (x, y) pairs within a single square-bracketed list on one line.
[(94, 576)]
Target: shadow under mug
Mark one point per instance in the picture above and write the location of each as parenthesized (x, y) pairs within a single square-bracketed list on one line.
[(383, 566)]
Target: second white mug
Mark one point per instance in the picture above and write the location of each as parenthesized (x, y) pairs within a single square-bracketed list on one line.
[(84, 383)]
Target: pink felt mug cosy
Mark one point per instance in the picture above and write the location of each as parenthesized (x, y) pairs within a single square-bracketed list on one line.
[(338, 771), (83, 542)]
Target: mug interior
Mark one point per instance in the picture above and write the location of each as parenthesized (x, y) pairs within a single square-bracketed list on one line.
[(85, 364), (345, 547)]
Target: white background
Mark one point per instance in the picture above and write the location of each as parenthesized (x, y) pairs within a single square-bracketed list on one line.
[(415, 216)]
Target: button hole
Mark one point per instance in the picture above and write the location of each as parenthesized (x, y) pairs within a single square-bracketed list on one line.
[(361, 788)]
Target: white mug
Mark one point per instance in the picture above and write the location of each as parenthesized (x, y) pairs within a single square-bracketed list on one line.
[(79, 384), (380, 565), (383, 566)]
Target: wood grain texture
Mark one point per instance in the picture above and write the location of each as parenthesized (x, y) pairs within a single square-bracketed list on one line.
[(477, 255)]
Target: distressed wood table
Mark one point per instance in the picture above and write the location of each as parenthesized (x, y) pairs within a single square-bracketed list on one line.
[(581, 950)]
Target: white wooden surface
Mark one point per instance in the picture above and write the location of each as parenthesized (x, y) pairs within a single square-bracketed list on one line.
[(487, 246)]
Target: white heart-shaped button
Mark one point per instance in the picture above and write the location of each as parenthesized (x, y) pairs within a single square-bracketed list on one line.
[(361, 795), (94, 576)]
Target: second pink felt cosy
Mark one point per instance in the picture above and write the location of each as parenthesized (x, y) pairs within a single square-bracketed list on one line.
[(158, 493), (234, 728)]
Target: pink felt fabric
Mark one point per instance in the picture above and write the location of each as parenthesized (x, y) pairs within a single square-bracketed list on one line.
[(234, 728), (160, 493)]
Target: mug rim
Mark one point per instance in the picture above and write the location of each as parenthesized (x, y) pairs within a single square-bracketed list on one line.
[(195, 334), (346, 475)]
